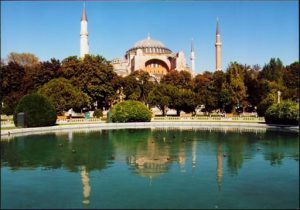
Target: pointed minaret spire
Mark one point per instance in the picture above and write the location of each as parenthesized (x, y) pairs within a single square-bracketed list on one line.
[(148, 37), (218, 48), (218, 28), (192, 57), (84, 17), (84, 42), (192, 45)]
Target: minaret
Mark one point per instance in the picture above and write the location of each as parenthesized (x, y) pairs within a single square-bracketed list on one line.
[(193, 58), (218, 48), (84, 42)]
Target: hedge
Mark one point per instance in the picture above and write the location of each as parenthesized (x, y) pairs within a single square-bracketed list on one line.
[(38, 111), (98, 113), (131, 111), (286, 113)]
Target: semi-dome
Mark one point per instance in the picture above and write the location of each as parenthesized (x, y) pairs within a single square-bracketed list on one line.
[(150, 46)]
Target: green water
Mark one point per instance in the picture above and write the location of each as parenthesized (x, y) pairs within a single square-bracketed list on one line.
[(144, 168)]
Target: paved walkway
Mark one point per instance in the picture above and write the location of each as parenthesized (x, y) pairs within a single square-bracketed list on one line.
[(26, 131)]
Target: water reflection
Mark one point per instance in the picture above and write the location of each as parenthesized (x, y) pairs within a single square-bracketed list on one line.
[(148, 152), (86, 186), (150, 159), (219, 166)]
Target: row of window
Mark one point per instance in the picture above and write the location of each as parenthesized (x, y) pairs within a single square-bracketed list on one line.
[(154, 50), (156, 71), (153, 65)]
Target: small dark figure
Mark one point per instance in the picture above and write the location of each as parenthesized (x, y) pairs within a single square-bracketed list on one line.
[(224, 155)]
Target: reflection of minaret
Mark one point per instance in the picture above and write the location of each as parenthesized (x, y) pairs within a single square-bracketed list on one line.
[(219, 166), (194, 149), (193, 58), (84, 42), (218, 48), (86, 186), (70, 136), (181, 158)]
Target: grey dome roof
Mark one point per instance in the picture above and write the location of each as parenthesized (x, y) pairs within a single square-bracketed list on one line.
[(149, 45), (148, 42)]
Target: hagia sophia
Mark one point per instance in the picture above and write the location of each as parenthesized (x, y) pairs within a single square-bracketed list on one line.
[(150, 55)]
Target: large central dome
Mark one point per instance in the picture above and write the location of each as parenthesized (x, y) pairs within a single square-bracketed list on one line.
[(148, 43), (149, 46)]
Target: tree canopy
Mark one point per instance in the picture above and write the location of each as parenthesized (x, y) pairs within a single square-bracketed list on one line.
[(91, 81), (64, 95)]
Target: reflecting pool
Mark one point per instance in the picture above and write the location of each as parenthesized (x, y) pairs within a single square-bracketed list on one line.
[(152, 168)]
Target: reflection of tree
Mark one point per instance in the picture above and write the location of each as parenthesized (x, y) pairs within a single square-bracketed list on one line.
[(275, 158), (89, 150), (280, 145), (51, 151), (219, 166), (31, 152), (148, 148)]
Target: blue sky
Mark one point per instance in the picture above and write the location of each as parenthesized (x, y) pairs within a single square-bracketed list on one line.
[(251, 31)]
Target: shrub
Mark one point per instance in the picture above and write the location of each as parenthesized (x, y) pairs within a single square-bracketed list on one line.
[(98, 113), (286, 112), (265, 104), (131, 111), (38, 110)]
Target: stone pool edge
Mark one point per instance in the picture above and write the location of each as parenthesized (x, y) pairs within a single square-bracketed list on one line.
[(27, 131)]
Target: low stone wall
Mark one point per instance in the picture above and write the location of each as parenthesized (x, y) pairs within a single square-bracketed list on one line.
[(24, 131)]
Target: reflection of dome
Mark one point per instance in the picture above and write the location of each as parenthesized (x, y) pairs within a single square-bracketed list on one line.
[(149, 167), (150, 46), (151, 170)]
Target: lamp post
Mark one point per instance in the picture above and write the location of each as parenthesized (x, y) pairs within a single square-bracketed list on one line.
[(278, 96), (142, 87)]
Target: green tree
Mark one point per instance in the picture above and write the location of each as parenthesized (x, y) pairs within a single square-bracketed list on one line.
[(185, 101), (224, 98), (205, 91), (291, 81), (265, 104), (255, 90), (286, 112), (221, 90), (137, 85), (23, 59), (38, 111), (12, 76), (98, 80), (235, 80), (273, 71), (71, 69), (64, 95), (180, 79), (46, 71), (162, 96)]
